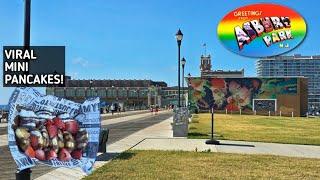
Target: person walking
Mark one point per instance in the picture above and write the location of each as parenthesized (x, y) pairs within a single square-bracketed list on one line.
[(112, 108)]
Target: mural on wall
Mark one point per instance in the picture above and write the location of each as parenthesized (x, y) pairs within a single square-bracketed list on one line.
[(236, 93)]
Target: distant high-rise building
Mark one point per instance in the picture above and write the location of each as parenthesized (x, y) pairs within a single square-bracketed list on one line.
[(297, 65), (206, 72)]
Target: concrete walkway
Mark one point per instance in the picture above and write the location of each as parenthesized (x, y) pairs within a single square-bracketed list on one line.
[(3, 124), (4, 140), (128, 118), (126, 113), (242, 147)]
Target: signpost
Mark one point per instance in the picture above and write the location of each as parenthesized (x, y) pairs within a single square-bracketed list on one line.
[(212, 140)]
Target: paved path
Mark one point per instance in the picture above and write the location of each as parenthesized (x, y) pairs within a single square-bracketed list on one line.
[(3, 124), (132, 124), (122, 114), (242, 147)]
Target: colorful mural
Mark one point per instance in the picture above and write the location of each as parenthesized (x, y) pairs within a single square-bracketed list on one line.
[(236, 93)]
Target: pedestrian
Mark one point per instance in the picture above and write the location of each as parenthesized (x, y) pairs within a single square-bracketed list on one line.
[(112, 109)]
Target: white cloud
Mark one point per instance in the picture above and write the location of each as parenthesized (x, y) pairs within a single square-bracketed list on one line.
[(80, 61), (74, 75)]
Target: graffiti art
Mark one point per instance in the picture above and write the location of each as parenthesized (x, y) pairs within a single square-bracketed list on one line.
[(236, 93)]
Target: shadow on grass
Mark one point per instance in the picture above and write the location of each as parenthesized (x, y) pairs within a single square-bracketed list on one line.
[(126, 155), (120, 156), (106, 156), (197, 135)]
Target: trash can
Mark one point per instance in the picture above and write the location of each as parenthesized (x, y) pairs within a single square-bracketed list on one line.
[(24, 174), (103, 138), (180, 122)]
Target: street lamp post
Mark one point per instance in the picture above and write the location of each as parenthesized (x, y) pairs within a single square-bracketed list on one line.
[(183, 62), (90, 88), (179, 37), (27, 17), (26, 173), (189, 78)]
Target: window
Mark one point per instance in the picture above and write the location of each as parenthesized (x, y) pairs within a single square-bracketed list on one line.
[(101, 93), (112, 92), (59, 92), (122, 93), (133, 93), (91, 92), (50, 91), (80, 92), (143, 93), (70, 92)]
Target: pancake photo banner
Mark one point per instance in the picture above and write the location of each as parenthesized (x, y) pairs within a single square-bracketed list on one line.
[(49, 130), (262, 30)]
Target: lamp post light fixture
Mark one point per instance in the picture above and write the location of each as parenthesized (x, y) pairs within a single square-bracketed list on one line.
[(189, 80), (91, 88), (183, 63), (179, 37)]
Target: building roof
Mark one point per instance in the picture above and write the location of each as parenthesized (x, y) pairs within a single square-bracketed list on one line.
[(250, 77), (114, 83), (294, 57), (175, 88), (227, 72)]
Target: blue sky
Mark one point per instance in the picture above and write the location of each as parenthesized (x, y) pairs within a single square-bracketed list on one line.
[(125, 39)]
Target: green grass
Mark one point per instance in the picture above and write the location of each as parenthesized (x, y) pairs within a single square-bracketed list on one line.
[(195, 165), (297, 130)]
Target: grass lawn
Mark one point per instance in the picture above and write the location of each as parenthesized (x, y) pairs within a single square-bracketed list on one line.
[(196, 165), (297, 130)]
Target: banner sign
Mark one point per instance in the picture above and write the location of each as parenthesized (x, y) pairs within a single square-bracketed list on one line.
[(39, 66), (261, 30), (52, 131)]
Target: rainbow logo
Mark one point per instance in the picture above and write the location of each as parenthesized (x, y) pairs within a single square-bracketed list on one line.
[(261, 30)]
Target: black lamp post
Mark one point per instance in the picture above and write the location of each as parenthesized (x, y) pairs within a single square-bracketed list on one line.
[(212, 140), (27, 17), (26, 173), (91, 89), (179, 37), (189, 78), (183, 63)]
